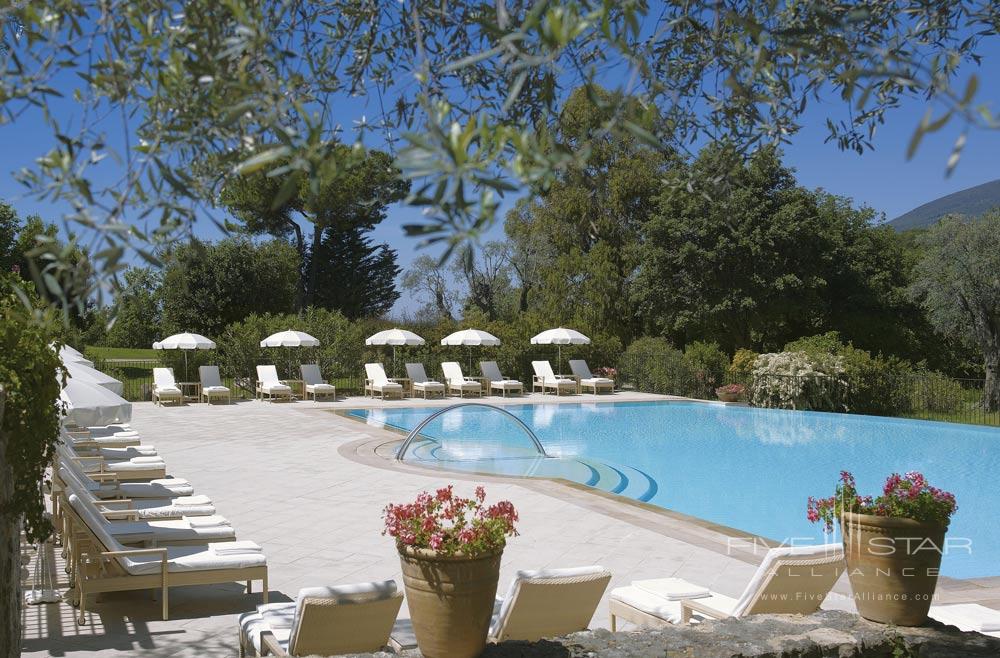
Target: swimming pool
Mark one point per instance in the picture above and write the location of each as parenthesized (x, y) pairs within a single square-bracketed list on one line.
[(742, 467)]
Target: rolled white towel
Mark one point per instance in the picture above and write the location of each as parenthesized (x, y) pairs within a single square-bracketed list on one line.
[(206, 521), (235, 547), (191, 501)]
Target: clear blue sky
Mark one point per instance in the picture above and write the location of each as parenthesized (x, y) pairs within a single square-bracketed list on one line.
[(882, 179)]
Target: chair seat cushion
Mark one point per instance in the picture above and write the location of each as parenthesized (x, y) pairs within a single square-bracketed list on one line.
[(428, 386), (320, 388), (169, 511), (601, 381), (465, 386), (132, 465), (506, 383), (163, 488), (214, 389), (192, 558), (166, 390), (388, 386), (274, 617), (653, 605), (275, 388), (127, 453)]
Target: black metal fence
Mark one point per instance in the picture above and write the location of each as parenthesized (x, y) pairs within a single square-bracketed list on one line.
[(925, 395)]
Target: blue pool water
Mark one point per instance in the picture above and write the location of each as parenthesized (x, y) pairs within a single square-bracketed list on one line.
[(750, 469)]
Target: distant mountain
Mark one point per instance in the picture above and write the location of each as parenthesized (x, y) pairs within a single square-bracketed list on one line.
[(971, 202)]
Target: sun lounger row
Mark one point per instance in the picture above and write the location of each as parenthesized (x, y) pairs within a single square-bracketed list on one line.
[(540, 604), (378, 384), (125, 525)]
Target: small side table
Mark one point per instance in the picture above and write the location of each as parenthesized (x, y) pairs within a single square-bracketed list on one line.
[(406, 383), (195, 386), (579, 388), (298, 387)]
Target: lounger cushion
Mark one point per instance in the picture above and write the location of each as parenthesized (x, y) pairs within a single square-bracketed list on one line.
[(214, 389), (968, 617), (160, 488), (536, 575), (274, 617), (320, 388), (506, 383), (819, 550), (601, 381), (192, 558), (131, 465), (122, 454), (279, 618), (641, 600), (173, 530), (148, 511), (166, 390), (275, 388), (465, 386), (428, 386), (388, 386)]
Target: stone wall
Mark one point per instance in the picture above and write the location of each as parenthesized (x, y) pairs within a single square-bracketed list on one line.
[(827, 633)]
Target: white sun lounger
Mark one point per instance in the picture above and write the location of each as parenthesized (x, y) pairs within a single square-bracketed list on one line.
[(103, 564), (545, 379), (790, 580), (127, 529), (323, 621), (175, 507), (107, 485), (968, 617), (491, 372), (269, 385), (315, 384), (211, 385), (165, 387), (456, 381), (549, 603), (421, 382), (377, 383), (587, 380)]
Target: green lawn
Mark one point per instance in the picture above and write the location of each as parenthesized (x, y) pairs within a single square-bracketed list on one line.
[(93, 352)]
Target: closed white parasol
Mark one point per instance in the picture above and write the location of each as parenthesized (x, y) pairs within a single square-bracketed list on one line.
[(88, 375), (88, 405)]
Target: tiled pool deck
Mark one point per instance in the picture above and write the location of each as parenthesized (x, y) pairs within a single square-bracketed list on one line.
[(309, 486)]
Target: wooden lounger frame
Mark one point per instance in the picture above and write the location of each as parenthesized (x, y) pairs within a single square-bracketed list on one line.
[(95, 569)]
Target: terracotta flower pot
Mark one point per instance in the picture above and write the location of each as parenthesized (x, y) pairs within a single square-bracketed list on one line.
[(893, 566), (728, 397), (450, 599)]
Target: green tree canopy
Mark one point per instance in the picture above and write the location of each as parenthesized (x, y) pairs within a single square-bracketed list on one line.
[(744, 268), (958, 282), (327, 218), (587, 223), (207, 286), (139, 313)]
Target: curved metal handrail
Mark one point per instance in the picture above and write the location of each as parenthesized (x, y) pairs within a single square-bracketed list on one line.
[(416, 430)]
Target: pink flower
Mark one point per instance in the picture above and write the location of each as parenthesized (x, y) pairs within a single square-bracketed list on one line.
[(437, 541), (480, 493)]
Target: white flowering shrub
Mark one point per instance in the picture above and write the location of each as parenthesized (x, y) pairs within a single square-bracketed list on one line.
[(796, 380)]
